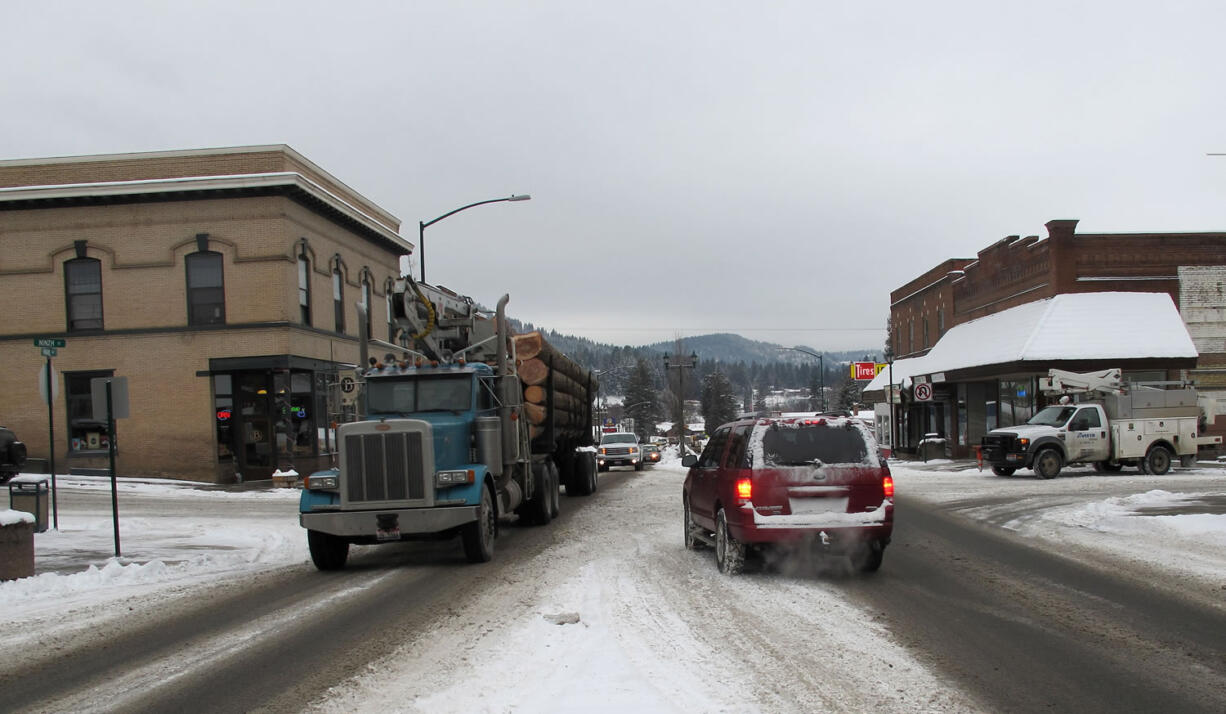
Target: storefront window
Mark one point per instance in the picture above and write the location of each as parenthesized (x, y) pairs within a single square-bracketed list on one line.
[(962, 415), (302, 414), (1016, 401), (85, 434), (223, 407)]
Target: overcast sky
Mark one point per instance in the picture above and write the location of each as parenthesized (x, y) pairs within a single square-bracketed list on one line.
[(773, 169)]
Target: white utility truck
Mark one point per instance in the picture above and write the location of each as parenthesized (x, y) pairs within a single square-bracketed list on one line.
[(1111, 425)]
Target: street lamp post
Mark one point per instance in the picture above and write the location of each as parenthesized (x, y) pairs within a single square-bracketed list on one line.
[(821, 370), (423, 225)]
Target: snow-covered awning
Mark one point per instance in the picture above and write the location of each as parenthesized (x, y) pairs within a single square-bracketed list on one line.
[(1071, 326)]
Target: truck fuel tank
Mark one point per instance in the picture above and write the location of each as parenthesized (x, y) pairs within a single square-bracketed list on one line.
[(489, 443)]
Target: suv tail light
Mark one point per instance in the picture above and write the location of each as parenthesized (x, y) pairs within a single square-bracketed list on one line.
[(744, 490), (887, 487)]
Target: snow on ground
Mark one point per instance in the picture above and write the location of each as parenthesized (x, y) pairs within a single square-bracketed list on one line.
[(1175, 523), (173, 536), (609, 610)]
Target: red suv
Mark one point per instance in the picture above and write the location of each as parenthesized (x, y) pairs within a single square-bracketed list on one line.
[(816, 482)]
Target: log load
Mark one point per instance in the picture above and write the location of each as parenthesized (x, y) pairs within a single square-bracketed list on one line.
[(541, 365)]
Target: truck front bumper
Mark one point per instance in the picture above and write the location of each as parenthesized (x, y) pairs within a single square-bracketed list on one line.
[(410, 520)]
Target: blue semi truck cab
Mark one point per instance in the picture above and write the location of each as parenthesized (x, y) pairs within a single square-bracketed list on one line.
[(444, 447)]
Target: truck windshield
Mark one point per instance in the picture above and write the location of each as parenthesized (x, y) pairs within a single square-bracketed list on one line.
[(618, 439), (422, 394), (1053, 416)]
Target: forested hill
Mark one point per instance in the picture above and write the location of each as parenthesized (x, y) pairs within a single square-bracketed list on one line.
[(742, 359)]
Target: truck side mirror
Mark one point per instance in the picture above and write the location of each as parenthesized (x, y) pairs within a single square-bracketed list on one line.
[(689, 460)]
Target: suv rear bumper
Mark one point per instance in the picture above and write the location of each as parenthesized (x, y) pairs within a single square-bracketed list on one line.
[(832, 529)]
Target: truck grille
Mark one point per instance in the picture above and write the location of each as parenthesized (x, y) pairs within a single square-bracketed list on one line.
[(617, 450), (384, 467), (996, 445)]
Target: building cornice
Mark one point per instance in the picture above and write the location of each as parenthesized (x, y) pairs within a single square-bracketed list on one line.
[(198, 187)]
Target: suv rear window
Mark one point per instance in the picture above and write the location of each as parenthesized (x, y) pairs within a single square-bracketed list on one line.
[(813, 445)]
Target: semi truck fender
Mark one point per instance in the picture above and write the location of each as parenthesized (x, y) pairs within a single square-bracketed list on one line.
[(470, 492)]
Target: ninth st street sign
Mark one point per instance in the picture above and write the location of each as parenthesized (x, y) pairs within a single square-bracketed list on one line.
[(49, 342)]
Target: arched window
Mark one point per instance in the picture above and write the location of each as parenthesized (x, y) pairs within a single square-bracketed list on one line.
[(206, 291), (304, 288), (366, 304), (83, 293), (338, 296), (391, 316)]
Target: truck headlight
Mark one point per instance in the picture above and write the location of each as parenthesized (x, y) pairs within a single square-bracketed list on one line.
[(458, 477), (1023, 443), (322, 483)]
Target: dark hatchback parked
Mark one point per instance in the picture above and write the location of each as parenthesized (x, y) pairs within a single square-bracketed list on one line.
[(811, 482), (12, 454)]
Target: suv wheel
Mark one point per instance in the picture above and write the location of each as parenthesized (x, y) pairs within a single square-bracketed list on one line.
[(729, 554), (868, 557)]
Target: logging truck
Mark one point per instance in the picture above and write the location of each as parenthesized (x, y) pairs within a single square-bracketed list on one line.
[(470, 428)]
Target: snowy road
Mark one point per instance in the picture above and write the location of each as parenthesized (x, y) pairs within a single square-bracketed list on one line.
[(604, 610)]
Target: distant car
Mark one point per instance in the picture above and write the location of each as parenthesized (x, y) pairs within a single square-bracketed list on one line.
[(12, 454), (810, 482), (651, 453), (619, 448)]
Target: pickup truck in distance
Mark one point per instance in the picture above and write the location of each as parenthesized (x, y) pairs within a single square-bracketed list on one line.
[(619, 448)]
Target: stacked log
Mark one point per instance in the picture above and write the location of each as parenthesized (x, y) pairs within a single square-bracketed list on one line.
[(541, 366)]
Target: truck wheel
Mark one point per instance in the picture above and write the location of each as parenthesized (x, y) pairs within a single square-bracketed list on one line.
[(691, 541), (583, 479), (729, 554), (1158, 460), (589, 461), (1003, 470), (478, 536), (555, 501), (536, 510), (1048, 463), (328, 552)]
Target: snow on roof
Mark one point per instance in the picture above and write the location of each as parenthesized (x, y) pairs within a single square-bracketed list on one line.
[(1070, 326)]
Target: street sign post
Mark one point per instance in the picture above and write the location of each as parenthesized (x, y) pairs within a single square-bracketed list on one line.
[(48, 385), (110, 398)]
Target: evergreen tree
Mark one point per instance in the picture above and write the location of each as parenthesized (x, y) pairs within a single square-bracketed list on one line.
[(642, 399), (847, 393), (719, 402)]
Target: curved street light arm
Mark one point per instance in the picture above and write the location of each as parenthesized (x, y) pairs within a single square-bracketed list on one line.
[(423, 225)]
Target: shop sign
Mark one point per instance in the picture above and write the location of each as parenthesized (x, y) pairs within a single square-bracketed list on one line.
[(864, 371)]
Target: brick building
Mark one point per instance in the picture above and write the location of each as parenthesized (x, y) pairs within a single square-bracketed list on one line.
[(1015, 271), (222, 283)]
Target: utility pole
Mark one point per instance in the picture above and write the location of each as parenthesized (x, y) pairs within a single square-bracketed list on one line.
[(680, 364)]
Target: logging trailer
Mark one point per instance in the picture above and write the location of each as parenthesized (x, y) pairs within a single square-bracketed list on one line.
[(473, 427)]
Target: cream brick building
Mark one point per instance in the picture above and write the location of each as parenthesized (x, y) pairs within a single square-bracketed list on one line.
[(222, 283)]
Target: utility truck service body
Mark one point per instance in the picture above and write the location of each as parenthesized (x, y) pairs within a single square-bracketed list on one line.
[(1120, 426), (448, 443)]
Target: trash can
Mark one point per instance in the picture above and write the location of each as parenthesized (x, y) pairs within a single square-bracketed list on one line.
[(29, 493)]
